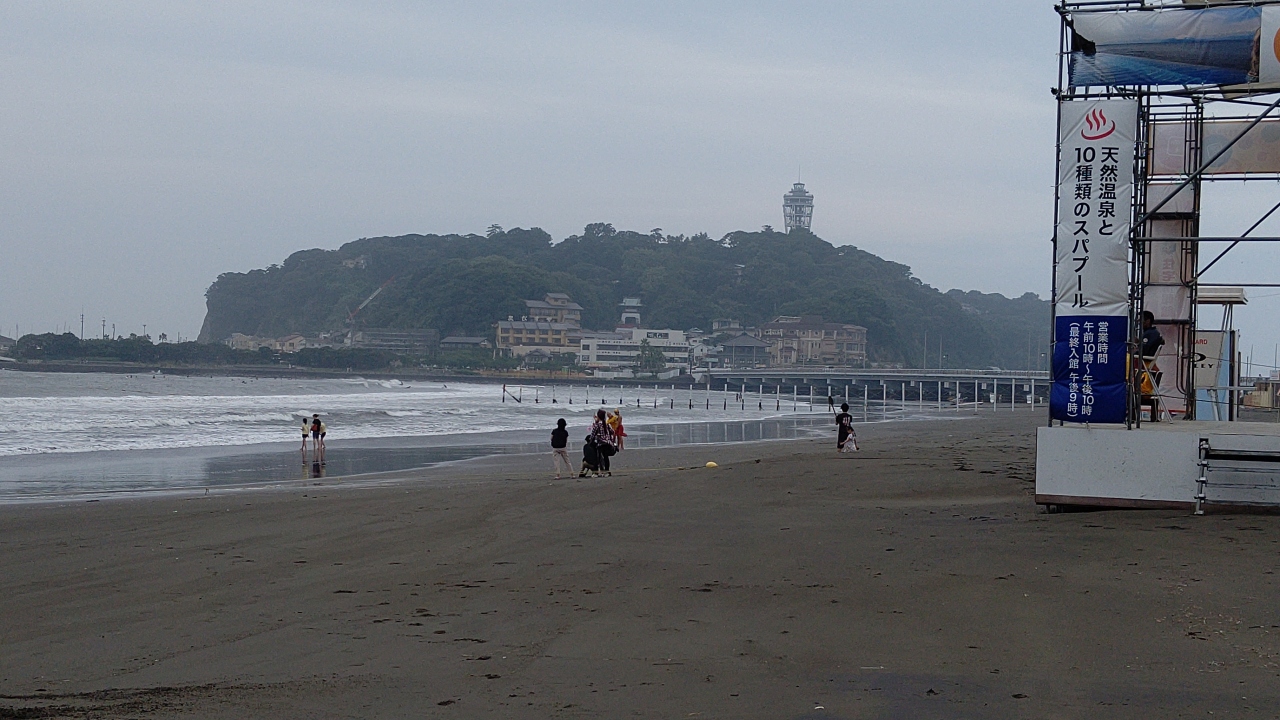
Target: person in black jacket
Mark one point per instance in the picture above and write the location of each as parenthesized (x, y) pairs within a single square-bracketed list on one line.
[(1152, 340), (560, 448), (1151, 343), (846, 437)]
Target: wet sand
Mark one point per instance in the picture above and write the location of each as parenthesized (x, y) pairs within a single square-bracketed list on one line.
[(914, 580), (43, 477)]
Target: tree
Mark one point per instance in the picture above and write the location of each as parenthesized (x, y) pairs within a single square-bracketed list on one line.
[(494, 229), (462, 284), (651, 358)]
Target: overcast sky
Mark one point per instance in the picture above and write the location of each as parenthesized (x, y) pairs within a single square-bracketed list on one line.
[(149, 147)]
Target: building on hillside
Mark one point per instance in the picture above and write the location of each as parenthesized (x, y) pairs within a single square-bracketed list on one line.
[(465, 342), (327, 340), (240, 341), (797, 208), (743, 351), (289, 343), (726, 325), (621, 349), (630, 309), (810, 340), (409, 342), (6, 344), (536, 356), (516, 338), (703, 353), (555, 308)]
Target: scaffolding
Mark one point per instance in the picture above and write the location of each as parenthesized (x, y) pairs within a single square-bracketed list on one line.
[(1172, 159)]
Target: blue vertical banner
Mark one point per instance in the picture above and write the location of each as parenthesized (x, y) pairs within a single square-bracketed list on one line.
[(1091, 305)]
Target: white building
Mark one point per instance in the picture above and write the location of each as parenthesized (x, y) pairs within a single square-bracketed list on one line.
[(630, 307), (240, 341), (621, 349), (289, 343)]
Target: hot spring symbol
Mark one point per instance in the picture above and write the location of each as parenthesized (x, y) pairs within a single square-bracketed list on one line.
[(1098, 125)]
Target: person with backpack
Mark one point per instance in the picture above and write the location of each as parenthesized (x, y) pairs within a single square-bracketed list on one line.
[(318, 431), (559, 448), (590, 459), (603, 439)]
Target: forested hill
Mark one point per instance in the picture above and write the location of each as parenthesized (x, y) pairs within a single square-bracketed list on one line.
[(462, 284)]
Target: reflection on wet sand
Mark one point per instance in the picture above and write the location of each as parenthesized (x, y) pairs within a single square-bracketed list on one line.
[(39, 477)]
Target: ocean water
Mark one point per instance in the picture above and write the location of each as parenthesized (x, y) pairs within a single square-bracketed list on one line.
[(47, 413), (68, 436)]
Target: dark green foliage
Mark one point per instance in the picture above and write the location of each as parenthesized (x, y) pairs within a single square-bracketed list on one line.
[(462, 284), (1019, 325), (475, 359), (342, 358), (140, 350), (67, 346), (651, 358)]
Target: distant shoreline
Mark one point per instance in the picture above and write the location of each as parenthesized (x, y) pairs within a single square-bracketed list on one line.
[(276, 371)]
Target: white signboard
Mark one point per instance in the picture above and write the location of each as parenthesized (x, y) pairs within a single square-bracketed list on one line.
[(1091, 303), (1208, 360), (1095, 193)]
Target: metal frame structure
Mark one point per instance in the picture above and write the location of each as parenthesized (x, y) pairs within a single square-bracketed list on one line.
[(1159, 225), (797, 208)]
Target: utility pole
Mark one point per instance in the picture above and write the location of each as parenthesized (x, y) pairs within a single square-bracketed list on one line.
[(82, 327), (104, 328), (924, 356)]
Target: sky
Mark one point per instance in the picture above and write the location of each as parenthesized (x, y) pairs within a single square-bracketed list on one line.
[(150, 147)]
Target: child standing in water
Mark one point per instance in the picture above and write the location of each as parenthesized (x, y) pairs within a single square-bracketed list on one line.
[(560, 448)]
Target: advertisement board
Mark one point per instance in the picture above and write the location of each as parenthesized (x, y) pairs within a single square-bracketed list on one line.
[(1213, 368), (1257, 150), (1179, 46), (1091, 302)]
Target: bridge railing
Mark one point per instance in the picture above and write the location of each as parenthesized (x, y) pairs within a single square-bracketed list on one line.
[(907, 373)]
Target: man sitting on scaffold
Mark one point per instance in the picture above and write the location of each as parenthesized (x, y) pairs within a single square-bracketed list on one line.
[(1149, 375)]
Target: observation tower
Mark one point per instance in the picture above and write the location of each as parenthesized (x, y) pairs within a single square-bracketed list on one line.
[(797, 208)]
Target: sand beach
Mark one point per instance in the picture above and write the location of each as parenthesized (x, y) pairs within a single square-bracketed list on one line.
[(916, 579)]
